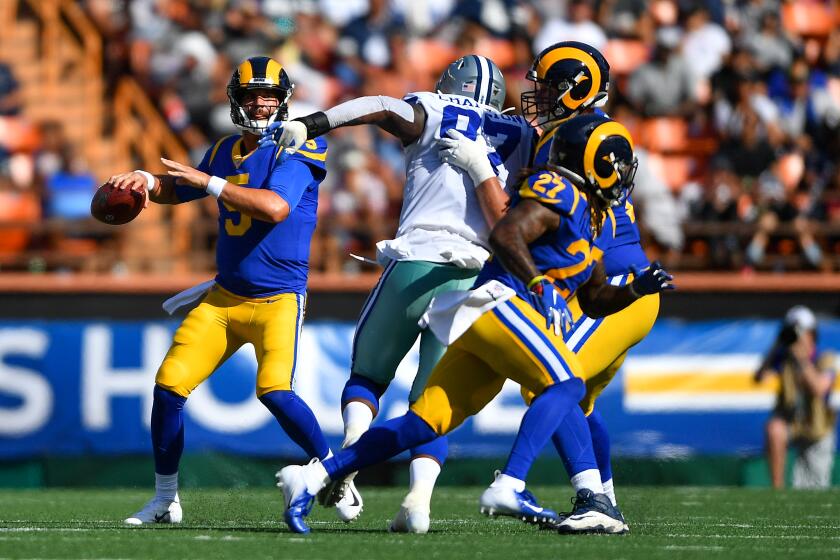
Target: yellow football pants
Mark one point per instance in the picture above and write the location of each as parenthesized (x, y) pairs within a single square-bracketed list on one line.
[(601, 345), (220, 325), (508, 342)]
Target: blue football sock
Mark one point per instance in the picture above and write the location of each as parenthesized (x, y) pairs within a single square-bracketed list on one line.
[(546, 412), (574, 443), (600, 444), (360, 388), (297, 420), (167, 430), (437, 449), (380, 443)]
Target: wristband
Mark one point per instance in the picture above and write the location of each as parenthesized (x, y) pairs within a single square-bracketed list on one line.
[(485, 172), (215, 186), (150, 179), (536, 280)]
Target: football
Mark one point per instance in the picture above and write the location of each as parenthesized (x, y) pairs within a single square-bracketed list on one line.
[(116, 206)]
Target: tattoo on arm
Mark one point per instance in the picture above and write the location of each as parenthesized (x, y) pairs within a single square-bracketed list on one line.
[(522, 224)]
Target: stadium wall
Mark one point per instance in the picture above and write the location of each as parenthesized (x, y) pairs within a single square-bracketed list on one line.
[(74, 392)]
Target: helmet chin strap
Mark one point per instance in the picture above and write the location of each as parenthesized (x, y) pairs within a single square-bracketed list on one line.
[(256, 126)]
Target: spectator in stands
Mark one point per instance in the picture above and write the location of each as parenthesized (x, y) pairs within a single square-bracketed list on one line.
[(10, 102), (665, 85), (770, 46), (705, 44), (580, 26), (783, 197), (802, 416), (625, 18)]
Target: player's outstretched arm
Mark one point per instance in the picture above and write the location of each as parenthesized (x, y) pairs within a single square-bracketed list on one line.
[(598, 298), (160, 188), (261, 204), (395, 116)]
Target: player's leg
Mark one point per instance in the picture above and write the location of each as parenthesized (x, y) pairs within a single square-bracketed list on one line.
[(777, 444), (601, 346), (426, 459), (460, 386), (273, 327), (541, 363), (201, 343)]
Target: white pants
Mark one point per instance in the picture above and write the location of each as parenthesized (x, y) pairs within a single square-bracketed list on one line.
[(814, 462)]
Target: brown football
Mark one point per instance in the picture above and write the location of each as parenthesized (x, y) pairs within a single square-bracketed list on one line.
[(114, 206)]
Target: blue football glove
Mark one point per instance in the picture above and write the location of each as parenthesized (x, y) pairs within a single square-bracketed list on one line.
[(271, 135), (550, 304), (652, 281)]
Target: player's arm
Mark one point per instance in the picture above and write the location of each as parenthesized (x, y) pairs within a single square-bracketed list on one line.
[(395, 116), (160, 188), (471, 156), (261, 204), (521, 225), (599, 298)]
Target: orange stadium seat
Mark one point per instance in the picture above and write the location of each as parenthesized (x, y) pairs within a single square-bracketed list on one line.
[(497, 50), (809, 19), (430, 56), (664, 134), (21, 209), (625, 55), (675, 171)]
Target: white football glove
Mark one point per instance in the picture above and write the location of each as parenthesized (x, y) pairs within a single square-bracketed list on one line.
[(286, 134), (469, 155)]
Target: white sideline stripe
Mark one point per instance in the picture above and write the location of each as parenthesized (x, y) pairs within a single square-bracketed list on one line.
[(699, 364), (697, 402), (536, 341)]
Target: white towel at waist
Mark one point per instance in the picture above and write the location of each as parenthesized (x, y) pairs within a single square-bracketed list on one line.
[(450, 314), (187, 297)]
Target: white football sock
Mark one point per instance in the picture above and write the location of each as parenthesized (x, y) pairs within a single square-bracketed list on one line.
[(423, 473), (609, 490), (315, 477), (505, 481), (166, 486), (589, 479), (357, 417)]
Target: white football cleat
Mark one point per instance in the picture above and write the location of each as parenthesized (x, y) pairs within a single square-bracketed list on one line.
[(521, 505), (349, 505), (413, 517), (157, 510), (297, 501)]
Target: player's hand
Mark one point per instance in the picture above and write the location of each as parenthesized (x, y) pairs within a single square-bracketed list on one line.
[(652, 281), (289, 135), (469, 155), (187, 175), (132, 181), (551, 305)]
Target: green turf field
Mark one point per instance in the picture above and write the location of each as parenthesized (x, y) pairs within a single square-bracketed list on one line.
[(244, 524)]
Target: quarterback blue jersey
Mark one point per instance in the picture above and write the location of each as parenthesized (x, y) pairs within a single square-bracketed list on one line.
[(255, 258), (626, 251), (567, 254)]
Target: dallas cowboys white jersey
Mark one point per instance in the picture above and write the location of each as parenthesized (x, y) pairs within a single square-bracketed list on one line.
[(441, 220)]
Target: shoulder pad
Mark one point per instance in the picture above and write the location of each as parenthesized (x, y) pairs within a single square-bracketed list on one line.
[(552, 190), (313, 152)]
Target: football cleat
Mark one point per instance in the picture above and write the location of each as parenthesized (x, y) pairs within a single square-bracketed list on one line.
[(592, 513), (157, 510), (350, 505), (521, 505), (412, 518), (297, 500)]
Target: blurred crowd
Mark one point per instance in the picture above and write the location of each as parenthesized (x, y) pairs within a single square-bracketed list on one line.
[(735, 104)]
